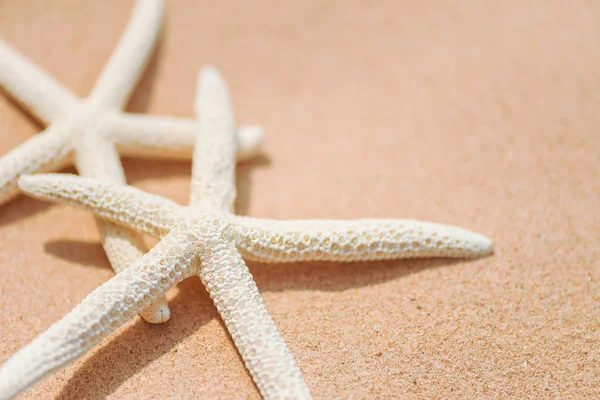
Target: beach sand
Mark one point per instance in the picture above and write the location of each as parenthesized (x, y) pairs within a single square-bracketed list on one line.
[(483, 114)]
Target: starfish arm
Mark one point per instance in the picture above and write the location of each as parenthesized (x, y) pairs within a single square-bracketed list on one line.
[(123, 247), (33, 88), (99, 314), (141, 135), (213, 169), (359, 240), (250, 139), (120, 204), (98, 158), (252, 329), (126, 64), (42, 153)]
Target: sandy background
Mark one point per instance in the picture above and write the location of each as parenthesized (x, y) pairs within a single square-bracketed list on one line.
[(484, 114)]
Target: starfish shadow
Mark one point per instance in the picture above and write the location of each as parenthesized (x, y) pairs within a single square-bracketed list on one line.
[(22, 206), (140, 344), (86, 253), (338, 276)]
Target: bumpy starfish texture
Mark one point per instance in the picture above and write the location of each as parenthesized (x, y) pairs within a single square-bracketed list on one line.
[(205, 238), (199, 240), (92, 132)]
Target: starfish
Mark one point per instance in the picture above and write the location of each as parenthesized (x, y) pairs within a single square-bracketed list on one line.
[(207, 239), (92, 132)]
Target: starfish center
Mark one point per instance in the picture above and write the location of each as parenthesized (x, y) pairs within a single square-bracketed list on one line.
[(88, 118)]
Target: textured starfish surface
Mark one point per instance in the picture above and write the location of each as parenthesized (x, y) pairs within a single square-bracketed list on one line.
[(207, 239), (92, 132)]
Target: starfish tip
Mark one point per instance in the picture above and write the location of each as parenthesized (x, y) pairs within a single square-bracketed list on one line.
[(253, 137), (27, 183), (209, 72), (157, 313), (484, 245), (210, 79), (40, 183)]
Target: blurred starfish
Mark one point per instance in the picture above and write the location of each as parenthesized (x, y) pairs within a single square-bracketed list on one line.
[(92, 132), (205, 238)]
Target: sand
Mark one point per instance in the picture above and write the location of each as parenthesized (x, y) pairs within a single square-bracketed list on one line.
[(480, 114)]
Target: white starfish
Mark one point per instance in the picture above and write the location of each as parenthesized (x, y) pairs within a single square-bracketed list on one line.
[(92, 132), (205, 238)]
